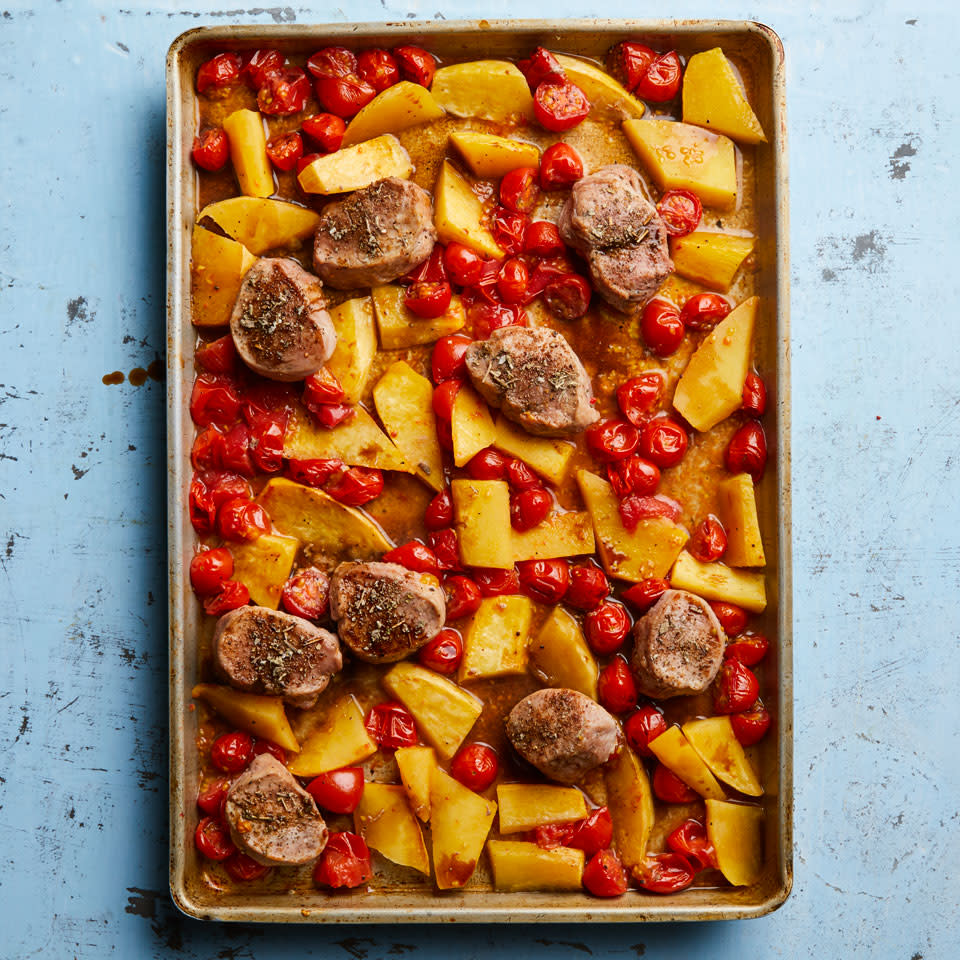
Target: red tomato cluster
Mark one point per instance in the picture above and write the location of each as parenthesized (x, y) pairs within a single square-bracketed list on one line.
[(558, 103), (644, 72)]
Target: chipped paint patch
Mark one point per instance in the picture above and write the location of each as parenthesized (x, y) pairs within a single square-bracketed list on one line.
[(899, 164)]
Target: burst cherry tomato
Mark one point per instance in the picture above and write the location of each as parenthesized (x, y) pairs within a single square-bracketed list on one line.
[(669, 788), (709, 540), (703, 311), (690, 839), (212, 839), (513, 280), (559, 105), (446, 545), (338, 791), (439, 513), (529, 508), (235, 451), (463, 597), (680, 211), (520, 476), (428, 300), (416, 64), (378, 68), (747, 451), (306, 160), (567, 297), (267, 431), (285, 150), (611, 440), (217, 356), (332, 62), (242, 519), (509, 228), (414, 556), (749, 649), (643, 726), (616, 688), (633, 509), (732, 618), (665, 873), (633, 476), (545, 581), (210, 570), (232, 752), (268, 746), (321, 387), (307, 593), (284, 92), (560, 167), (519, 190), (488, 464), (260, 65), (211, 149), (488, 317), (751, 726), (444, 395), (629, 61), (736, 688), (391, 725), (643, 595), (541, 65), (588, 587), (492, 582), (549, 836), (232, 596), (208, 491), (313, 473), (475, 766), (663, 442), (661, 80), (606, 627), (244, 868), (345, 862), (326, 130), (443, 653), (212, 798), (639, 397), (661, 327), (218, 73), (754, 396), (593, 833), (604, 875), (357, 486), (215, 399), (448, 360), (542, 239), (463, 265), (344, 95)]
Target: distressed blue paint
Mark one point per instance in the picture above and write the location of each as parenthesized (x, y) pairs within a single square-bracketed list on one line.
[(873, 93)]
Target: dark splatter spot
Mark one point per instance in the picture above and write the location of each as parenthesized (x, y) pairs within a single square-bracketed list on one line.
[(78, 312), (24, 724), (150, 598), (77, 472), (156, 370), (912, 23), (123, 47), (639, 949), (869, 247), (899, 167), (566, 943), (111, 379), (399, 949), (828, 274), (352, 945), (137, 376)]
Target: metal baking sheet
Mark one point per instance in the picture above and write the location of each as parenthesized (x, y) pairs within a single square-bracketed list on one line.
[(396, 901)]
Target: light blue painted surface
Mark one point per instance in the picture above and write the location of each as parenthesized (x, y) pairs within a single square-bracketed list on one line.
[(873, 120)]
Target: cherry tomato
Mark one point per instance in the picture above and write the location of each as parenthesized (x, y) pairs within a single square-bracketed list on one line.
[(639, 397), (261, 746), (313, 473), (754, 395), (606, 627), (232, 596), (732, 618), (211, 149), (212, 797), (488, 317), (285, 150), (307, 593), (443, 653), (736, 688), (559, 105), (593, 833), (643, 726), (210, 489), (611, 440), (661, 327), (218, 73), (428, 300), (488, 464), (235, 451), (416, 64), (588, 587), (542, 238), (378, 68), (669, 788), (217, 356), (212, 839), (643, 595), (448, 360), (338, 791), (520, 476), (345, 862), (439, 512), (749, 649), (663, 442), (357, 486), (690, 840), (321, 387), (633, 476), (747, 451), (492, 582), (344, 95), (475, 766), (414, 555), (330, 415), (661, 80), (529, 508), (463, 265), (267, 396), (509, 228), (210, 570), (306, 160), (629, 61), (284, 92), (568, 297), (513, 279), (391, 725), (664, 873), (680, 211), (541, 65), (242, 519), (332, 62), (267, 431), (633, 509), (709, 540), (549, 836), (232, 752), (604, 875), (244, 868), (519, 189), (703, 311), (326, 130), (560, 167), (616, 688), (751, 726), (545, 581), (446, 545), (463, 597), (444, 395), (215, 399), (260, 65)]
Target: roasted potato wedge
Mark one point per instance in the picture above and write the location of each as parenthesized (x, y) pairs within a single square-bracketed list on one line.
[(717, 581), (261, 224), (713, 738), (713, 97), (560, 654), (524, 806), (403, 105), (415, 765), (495, 643), (490, 89), (260, 715), (518, 865), (217, 268), (401, 328), (459, 822), (248, 152), (263, 566), (481, 513), (352, 168), (674, 751), (736, 832), (340, 740), (356, 346), (490, 157), (387, 824)]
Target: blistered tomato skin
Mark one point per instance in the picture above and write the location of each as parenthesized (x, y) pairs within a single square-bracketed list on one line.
[(212, 839), (643, 595), (754, 396), (528, 508), (475, 766), (326, 130), (439, 513), (663, 442), (661, 80), (414, 555), (210, 570), (665, 873), (232, 596), (680, 211), (606, 627), (611, 440), (545, 581), (345, 862), (704, 311), (211, 149), (616, 688), (560, 167), (428, 299), (604, 875), (735, 689), (709, 540), (416, 64), (307, 593), (244, 868), (639, 397), (690, 840), (443, 653), (593, 833), (633, 476), (449, 358), (642, 727), (751, 726), (338, 791), (463, 597), (284, 93), (378, 68), (488, 464), (285, 150), (559, 105), (661, 327), (747, 451), (669, 788), (232, 752), (732, 618), (391, 725), (749, 649), (588, 587)]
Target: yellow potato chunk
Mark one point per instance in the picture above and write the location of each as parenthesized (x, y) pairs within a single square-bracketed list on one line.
[(674, 751), (458, 213), (415, 765), (387, 824), (356, 346), (401, 328), (444, 712), (403, 105), (524, 806), (332, 530), (712, 259), (682, 156), (260, 715), (519, 865), (630, 800), (471, 425), (495, 643), (358, 442), (260, 224), (607, 97), (352, 168), (561, 657), (737, 506), (648, 551), (481, 514), (491, 157), (711, 387), (490, 89), (404, 402), (341, 740), (713, 738), (544, 455), (263, 566), (736, 832), (248, 152), (560, 535), (717, 581), (217, 268), (459, 823), (714, 98)]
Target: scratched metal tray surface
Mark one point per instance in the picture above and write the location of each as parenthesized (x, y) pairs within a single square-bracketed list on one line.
[(397, 898)]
